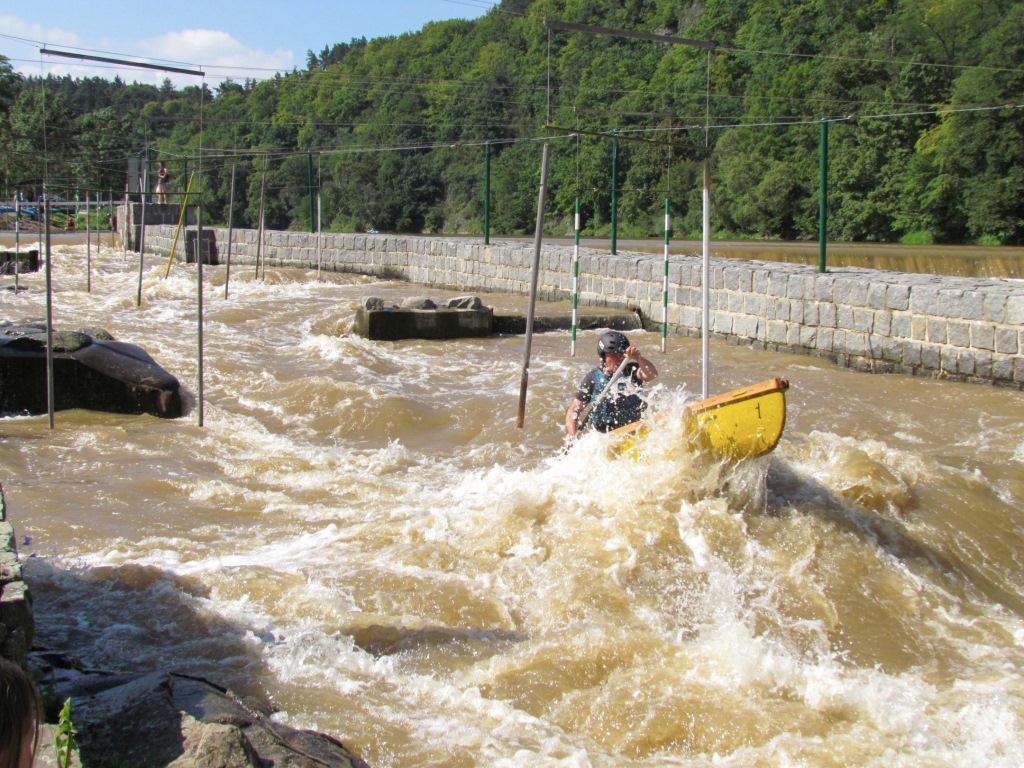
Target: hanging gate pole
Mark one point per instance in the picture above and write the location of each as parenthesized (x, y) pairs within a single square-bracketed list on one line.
[(575, 277), (664, 282), (231, 230), (537, 237)]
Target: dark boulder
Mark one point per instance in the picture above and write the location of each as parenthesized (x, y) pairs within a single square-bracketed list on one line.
[(90, 370)]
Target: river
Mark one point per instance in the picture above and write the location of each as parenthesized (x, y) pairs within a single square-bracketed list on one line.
[(361, 533)]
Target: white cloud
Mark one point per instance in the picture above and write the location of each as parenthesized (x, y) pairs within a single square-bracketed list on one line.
[(218, 53)]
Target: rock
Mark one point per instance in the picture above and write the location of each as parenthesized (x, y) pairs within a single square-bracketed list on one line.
[(91, 370), (418, 302), (170, 719), (465, 302), (373, 303)]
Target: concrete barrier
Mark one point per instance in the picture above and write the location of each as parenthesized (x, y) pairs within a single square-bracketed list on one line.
[(965, 329), (16, 625)]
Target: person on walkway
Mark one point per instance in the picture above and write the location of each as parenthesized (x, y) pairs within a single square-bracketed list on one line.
[(20, 717), (622, 405), (163, 178)]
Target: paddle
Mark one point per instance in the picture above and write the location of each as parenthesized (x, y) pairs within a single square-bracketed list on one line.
[(584, 413)]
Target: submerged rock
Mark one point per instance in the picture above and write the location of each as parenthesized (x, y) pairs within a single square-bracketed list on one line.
[(90, 370)]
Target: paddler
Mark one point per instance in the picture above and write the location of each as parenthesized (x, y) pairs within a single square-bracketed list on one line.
[(622, 405)]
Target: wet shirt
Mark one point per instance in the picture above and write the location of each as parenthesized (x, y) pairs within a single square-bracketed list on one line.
[(618, 408)]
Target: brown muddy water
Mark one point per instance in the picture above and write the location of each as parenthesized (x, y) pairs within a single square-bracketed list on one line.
[(361, 533)]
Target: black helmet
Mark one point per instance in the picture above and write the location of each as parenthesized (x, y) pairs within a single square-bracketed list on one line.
[(612, 341)]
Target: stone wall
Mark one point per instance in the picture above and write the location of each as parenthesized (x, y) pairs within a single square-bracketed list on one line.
[(965, 329), (16, 629)]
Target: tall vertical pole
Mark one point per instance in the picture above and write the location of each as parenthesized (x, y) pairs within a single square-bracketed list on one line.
[(113, 217), (17, 240), (88, 247), (615, 195), (664, 282), (199, 292), (319, 245), (142, 231), (705, 326), (534, 277), (50, 400), (231, 230), (124, 224), (487, 193), (575, 276), (822, 193)]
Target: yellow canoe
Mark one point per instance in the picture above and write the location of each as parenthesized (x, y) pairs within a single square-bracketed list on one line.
[(739, 424)]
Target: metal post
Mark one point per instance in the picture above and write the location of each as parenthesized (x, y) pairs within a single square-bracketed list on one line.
[(88, 247), (615, 195), (17, 240), (537, 237), (199, 293), (231, 230), (664, 282), (50, 401), (487, 193), (822, 193), (705, 329), (124, 224), (319, 250), (142, 230), (575, 276)]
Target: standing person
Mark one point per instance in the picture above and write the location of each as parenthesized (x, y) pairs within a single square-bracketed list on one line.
[(162, 180), (623, 405), (20, 716)]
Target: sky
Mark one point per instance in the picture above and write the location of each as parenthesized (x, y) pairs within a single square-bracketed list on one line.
[(224, 38)]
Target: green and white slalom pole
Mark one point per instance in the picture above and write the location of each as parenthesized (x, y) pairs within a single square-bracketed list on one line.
[(17, 240), (575, 277), (664, 282)]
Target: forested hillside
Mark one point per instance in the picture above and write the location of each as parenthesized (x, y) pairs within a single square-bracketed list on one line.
[(924, 99)]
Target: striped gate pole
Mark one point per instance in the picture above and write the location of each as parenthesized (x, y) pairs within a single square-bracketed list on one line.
[(575, 277)]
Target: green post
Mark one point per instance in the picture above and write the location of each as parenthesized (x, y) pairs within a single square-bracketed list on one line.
[(822, 192), (487, 193), (615, 195), (309, 179)]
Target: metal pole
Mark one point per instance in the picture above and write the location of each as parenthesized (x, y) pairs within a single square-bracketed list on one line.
[(705, 329), (199, 294), (319, 250), (124, 224), (17, 240), (113, 217), (664, 282), (615, 195), (822, 193), (142, 230), (537, 237), (575, 276), (487, 193), (231, 230), (50, 402), (88, 247)]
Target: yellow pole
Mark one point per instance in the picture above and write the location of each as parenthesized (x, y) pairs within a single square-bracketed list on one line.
[(181, 220)]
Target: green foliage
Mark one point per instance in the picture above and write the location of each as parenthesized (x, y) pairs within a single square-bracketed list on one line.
[(65, 742), (395, 127)]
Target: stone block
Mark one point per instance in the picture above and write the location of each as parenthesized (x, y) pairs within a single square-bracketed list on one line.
[(825, 339), (1002, 368), (995, 308), (923, 300), (857, 343), (931, 356), (844, 318), (948, 359), (983, 336), (781, 309), (958, 334), (721, 322), (965, 362), (949, 302), (1018, 370), (936, 331), (793, 334), (776, 331), (760, 281), (778, 284), (851, 291), (983, 364), (900, 327), (1015, 310), (810, 310), (877, 293), (1007, 341), (808, 337), (882, 322), (897, 297), (796, 311), (824, 287), (973, 306), (754, 304), (827, 315), (863, 320), (912, 354)]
